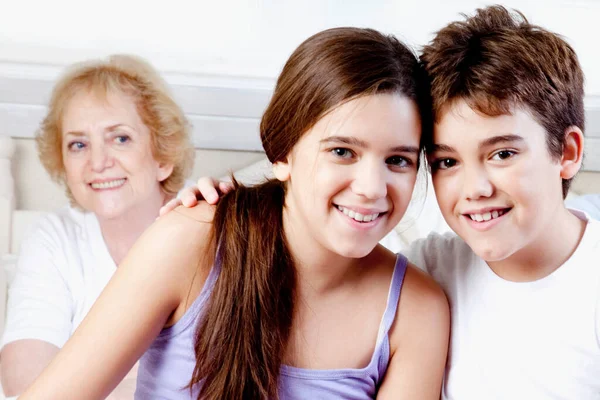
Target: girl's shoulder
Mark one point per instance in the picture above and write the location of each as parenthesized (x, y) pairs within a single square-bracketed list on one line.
[(423, 309), (178, 244), (419, 291)]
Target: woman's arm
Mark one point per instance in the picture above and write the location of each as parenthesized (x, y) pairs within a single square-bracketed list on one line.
[(150, 284), (418, 341), (39, 307), (23, 361)]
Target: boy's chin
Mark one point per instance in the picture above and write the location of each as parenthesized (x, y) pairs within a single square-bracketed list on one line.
[(491, 252)]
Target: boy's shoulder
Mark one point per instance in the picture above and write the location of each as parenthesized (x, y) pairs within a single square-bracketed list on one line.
[(437, 252), (591, 238), (590, 204)]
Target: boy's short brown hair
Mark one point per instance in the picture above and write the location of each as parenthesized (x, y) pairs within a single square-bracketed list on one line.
[(496, 60)]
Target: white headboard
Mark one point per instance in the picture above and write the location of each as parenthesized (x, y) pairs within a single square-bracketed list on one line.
[(13, 222)]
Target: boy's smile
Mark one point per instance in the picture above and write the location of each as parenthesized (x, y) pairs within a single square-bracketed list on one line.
[(496, 183)]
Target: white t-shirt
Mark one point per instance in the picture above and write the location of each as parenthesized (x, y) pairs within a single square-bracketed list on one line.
[(509, 340), (62, 268)]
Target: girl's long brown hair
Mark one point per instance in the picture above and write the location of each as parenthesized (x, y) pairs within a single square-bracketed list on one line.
[(244, 330)]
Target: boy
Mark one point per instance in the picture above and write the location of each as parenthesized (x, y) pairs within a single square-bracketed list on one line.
[(523, 275)]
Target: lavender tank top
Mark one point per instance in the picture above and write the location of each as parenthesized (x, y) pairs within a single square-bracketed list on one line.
[(166, 368)]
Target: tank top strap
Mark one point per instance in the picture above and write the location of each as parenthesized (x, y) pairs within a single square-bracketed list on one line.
[(394, 293)]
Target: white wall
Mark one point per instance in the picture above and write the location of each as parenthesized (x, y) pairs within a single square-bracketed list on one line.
[(222, 57), (247, 37)]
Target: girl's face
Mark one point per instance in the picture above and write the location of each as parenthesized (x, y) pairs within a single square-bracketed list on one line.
[(351, 176)]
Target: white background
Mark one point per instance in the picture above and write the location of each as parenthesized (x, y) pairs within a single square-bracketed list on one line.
[(248, 38)]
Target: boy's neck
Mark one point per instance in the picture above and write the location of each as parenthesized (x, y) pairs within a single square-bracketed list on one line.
[(553, 247)]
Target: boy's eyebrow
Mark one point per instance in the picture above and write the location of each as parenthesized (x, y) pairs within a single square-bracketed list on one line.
[(500, 139), (486, 143), (352, 141), (442, 147)]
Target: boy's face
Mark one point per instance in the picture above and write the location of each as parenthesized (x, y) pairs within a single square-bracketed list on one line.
[(495, 181)]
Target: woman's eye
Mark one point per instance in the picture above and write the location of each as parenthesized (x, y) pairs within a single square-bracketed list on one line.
[(342, 152), (76, 146), (444, 163), (121, 139), (503, 155), (398, 161)]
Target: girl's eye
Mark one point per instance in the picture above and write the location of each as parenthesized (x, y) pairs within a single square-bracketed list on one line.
[(76, 146), (443, 163), (503, 155), (122, 139), (342, 152), (398, 161)]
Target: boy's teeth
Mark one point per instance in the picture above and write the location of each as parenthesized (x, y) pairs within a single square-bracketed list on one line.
[(486, 216), (358, 216)]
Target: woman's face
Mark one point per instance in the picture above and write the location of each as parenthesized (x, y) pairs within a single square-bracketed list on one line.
[(351, 176), (107, 155)]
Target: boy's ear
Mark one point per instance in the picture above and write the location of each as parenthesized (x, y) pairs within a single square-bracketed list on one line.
[(281, 170), (572, 156)]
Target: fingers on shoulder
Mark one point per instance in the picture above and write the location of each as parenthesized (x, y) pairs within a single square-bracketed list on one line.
[(202, 212), (182, 229)]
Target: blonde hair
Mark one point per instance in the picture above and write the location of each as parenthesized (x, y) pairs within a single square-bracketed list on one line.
[(132, 76)]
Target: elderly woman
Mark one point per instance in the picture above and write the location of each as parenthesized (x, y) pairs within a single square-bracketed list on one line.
[(119, 143)]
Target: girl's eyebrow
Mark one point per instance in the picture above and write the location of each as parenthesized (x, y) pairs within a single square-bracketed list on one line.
[(405, 149), (352, 141), (349, 140)]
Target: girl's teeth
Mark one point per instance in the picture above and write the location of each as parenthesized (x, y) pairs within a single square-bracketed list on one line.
[(358, 216), (494, 214)]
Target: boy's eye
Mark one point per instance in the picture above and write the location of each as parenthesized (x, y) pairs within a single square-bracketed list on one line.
[(443, 163), (342, 152), (398, 161), (503, 155)]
